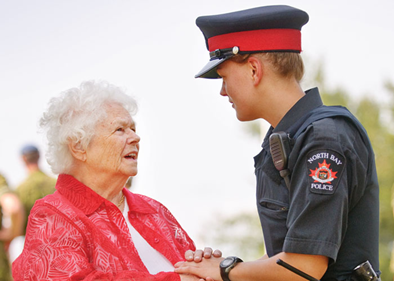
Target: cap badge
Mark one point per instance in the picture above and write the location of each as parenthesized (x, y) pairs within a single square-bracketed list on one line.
[(222, 53)]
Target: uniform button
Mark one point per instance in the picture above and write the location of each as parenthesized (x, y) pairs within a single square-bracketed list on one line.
[(157, 240)]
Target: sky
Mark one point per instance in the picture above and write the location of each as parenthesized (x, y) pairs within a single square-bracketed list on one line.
[(195, 156)]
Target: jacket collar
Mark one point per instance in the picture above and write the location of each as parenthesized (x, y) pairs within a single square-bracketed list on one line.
[(88, 201)]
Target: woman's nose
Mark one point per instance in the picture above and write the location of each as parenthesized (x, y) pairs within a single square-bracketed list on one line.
[(223, 90), (133, 137)]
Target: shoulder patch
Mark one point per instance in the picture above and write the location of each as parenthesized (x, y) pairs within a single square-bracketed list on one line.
[(325, 169)]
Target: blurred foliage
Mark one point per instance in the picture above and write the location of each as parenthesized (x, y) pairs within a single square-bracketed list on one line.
[(238, 235), (377, 116), (253, 127)]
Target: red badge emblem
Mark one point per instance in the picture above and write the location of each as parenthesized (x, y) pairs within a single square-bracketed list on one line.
[(324, 169), (323, 173)]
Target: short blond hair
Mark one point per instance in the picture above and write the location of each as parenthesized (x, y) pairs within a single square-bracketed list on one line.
[(286, 64)]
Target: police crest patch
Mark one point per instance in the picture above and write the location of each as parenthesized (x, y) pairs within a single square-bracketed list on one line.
[(324, 170)]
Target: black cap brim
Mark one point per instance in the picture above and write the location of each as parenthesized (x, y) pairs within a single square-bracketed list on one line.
[(209, 70)]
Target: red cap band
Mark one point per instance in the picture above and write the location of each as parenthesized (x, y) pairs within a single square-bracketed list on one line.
[(258, 40)]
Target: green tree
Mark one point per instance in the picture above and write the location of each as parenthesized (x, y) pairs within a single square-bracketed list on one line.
[(238, 235), (376, 118)]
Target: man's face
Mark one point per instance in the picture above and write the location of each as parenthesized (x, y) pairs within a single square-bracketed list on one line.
[(237, 86)]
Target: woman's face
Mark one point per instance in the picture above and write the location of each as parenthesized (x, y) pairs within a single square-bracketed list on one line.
[(237, 87), (114, 148)]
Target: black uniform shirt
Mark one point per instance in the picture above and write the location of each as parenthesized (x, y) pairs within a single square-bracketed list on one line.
[(332, 205)]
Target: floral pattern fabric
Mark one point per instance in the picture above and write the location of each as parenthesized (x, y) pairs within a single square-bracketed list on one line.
[(36, 186), (75, 234)]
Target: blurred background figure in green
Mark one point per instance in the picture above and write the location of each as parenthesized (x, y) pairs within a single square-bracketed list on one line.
[(11, 225), (37, 184)]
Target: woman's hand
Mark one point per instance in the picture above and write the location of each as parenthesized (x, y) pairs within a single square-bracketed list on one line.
[(199, 254), (196, 265), (207, 269), (188, 277)]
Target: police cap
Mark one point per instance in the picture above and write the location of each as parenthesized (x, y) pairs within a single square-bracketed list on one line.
[(262, 29)]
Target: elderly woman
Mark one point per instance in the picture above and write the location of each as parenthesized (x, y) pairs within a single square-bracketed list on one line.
[(92, 227)]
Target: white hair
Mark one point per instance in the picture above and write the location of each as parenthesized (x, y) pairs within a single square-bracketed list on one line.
[(73, 117)]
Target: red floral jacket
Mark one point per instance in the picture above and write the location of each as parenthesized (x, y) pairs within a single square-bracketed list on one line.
[(75, 234)]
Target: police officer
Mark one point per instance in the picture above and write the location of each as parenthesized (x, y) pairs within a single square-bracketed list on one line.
[(320, 214)]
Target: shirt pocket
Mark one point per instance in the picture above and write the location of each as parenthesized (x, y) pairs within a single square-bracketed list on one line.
[(273, 208), (273, 217)]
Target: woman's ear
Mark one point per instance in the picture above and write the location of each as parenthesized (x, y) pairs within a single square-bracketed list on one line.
[(256, 69), (76, 150)]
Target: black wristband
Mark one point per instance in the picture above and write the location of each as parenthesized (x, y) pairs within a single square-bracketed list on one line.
[(226, 265)]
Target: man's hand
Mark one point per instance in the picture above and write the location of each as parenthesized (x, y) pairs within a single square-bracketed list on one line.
[(199, 254)]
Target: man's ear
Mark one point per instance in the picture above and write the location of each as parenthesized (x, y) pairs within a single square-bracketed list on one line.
[(256, 69), (77, 150), (24, 159)]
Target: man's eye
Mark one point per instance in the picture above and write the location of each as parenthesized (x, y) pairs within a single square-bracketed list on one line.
[(119, 129)]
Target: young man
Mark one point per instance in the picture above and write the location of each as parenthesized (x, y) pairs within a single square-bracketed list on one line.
[(320, 213)]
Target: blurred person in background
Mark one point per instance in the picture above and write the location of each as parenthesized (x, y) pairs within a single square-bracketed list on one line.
[(37, 184), (93, 227), (11, 224)]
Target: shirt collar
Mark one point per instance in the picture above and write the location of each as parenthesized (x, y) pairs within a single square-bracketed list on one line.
[(307, 103), (85, 199), (78, 194), (137, 204)]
